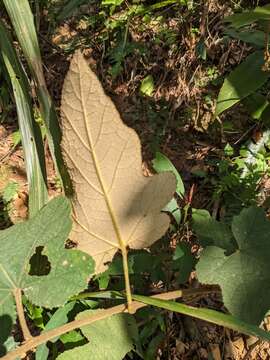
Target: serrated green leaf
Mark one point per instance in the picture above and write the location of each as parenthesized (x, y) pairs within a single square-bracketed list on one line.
[(111, 338), (244, 275), (212, 232), (242, 81), (69, 269)]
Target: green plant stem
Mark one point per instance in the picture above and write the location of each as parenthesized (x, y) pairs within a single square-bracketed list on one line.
[(48, 335), (161, 301), (127, 282)]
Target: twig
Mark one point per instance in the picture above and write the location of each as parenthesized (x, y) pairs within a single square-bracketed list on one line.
[(18, 299), (33, 342)]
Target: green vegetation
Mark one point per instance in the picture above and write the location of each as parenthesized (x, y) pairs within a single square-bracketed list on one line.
[(106, 252)]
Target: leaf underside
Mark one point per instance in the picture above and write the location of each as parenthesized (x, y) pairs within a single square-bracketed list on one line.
[(115, 205)]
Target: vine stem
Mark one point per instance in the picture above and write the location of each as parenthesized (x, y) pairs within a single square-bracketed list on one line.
[(20, 311), (33, 342)]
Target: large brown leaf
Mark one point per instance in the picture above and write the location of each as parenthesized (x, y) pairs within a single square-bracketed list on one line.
[(115, 206)]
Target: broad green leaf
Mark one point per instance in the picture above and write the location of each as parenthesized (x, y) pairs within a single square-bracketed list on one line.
[(23, 23), (212, 316), (242, 81), (60, 317), (248, 17), (244, 275), (256, 104), (115, 205), (162, 164), (254, 37), (212, 232), (183, 262), (111, 338), (147, 86), (69, 270), (30, 133)]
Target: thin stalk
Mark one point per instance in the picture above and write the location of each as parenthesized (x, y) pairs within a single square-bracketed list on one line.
[(127, 282), (160, 301), (20, 311), (48, 335)]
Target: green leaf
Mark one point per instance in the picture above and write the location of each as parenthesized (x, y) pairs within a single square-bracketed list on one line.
[(248, 17), (16, 138), (30, 132), (265, 117), (147, 86), (23, 23), (60, 317), (173, 208), (254, 37), (6, 326), (242, 81), (10, 191), (69, 270), (244, 275), (153, 346), (212, 316), (184, 262), (212, 232), (161, 163), (256, 104), (72, 339), (110, 338)]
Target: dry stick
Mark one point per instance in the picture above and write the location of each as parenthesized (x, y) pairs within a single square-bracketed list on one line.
[(48, 335), (19, 306)]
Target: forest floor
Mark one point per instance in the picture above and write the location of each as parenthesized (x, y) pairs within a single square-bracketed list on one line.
[(177, 118)]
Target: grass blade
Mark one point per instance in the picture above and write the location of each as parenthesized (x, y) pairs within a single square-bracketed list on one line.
[(23, 23), (29, 129), (209, 315)]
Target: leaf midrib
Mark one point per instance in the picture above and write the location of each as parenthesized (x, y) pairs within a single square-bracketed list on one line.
[(98, 172)]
